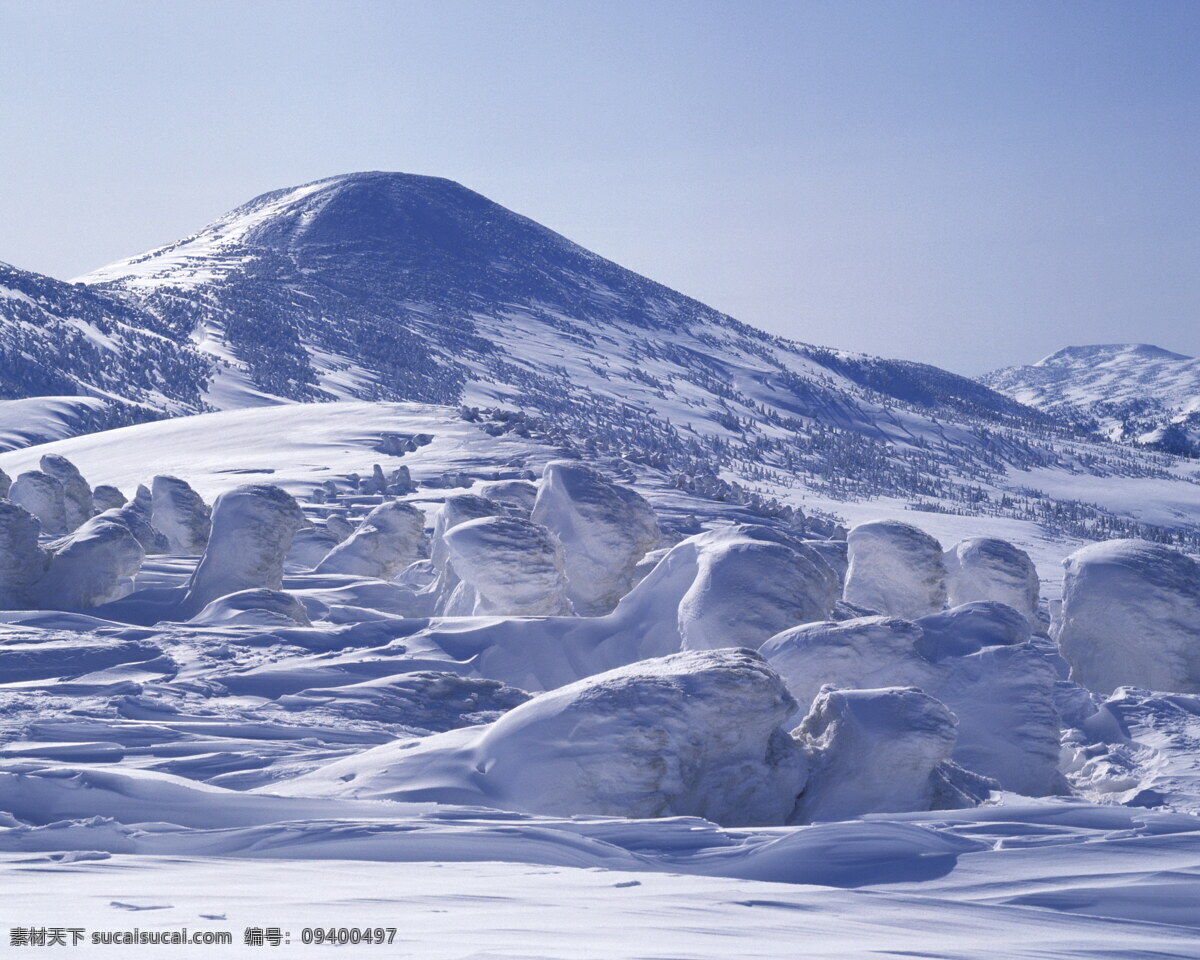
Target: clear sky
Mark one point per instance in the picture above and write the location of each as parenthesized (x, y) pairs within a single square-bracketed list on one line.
[(967, 183)]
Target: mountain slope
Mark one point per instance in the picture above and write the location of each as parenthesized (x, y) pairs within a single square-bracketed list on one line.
[(382, 286), (1132, 392), (100, 362)]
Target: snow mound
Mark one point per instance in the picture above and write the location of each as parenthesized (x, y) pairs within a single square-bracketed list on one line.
[(257, 607), (988, 568), (43, 496), (386, 542), (1001, 688), (516, 493), (252, 529), (77, 495), (506, 566), (751, 583), (1131, 616), (91, 566), (694, 734), (895, 569), (180, 515), (107, 497), (605, 529), (22, 561), (881, 751)]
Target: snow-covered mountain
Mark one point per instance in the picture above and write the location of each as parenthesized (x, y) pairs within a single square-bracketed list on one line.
[(384, 286), (1131, 392), (93, 362), (397, 287)]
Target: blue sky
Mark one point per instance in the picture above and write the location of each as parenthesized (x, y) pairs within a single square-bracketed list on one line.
[(967, 183)]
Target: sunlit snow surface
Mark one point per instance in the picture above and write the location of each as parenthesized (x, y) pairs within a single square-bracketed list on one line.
[(138, 765)]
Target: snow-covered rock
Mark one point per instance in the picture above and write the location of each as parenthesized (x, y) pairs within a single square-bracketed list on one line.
[(694, 734), (77, 495), (1131, 617), (43, 496), (506, 566), (22, 561), (605, 529), (106, 497), (180, 515), (988, 568), (252, 529), (880, 751), (895, 569), (387, 541), (91, 566)]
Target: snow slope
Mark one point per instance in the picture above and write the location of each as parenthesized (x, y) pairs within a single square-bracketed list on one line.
[(1134, 392)]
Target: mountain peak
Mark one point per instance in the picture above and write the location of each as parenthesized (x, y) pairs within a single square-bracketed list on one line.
[(1109, 351)]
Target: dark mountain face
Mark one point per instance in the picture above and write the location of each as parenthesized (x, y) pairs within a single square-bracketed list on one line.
[(62, 339)]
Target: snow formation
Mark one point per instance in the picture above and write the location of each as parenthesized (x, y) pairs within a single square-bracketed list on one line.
[(604, 528), (1131, 617), (895, 569)]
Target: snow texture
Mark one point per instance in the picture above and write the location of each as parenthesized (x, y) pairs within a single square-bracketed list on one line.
[(895, 569), (1131, 616), (506, 566), (252, 530), (387, 541), (605, 529), (180, 515)]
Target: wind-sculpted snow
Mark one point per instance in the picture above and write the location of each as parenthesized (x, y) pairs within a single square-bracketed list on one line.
[(895, 569), (750, 584), (878, 751), (316, 717), (387, 540), (987, 568), (41, 495), (506, 566), (694, 734), (107, 497), (976, 659), (1131, 616), (258, 606), (22, 561), (181, 516), (604, 528), (77, 495), (252, 529), (91, 566)]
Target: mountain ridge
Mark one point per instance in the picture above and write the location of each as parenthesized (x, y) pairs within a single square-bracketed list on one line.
[(381, 286), (1134, 393)]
